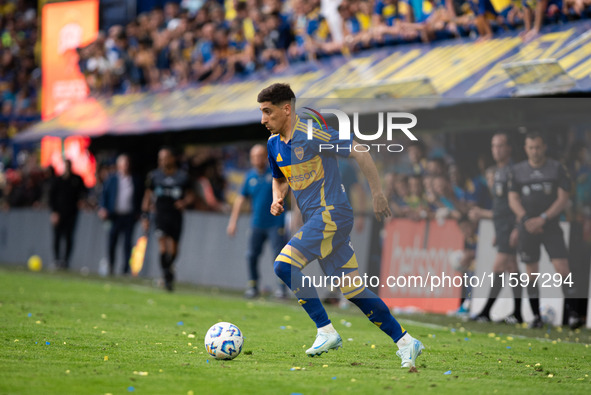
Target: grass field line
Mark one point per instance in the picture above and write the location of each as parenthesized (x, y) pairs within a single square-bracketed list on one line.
[(443, 327)]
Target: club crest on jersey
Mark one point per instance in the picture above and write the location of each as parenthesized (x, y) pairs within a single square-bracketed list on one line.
[(299, 152), (525, 190)]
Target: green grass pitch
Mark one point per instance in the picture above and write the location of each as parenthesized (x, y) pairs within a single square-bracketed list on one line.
[(66, 334)]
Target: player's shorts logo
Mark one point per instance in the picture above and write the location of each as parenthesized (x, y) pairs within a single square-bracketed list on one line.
[(299, 152)]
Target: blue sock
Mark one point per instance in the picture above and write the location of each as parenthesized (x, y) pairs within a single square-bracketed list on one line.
[(376, 310), (307, 296)]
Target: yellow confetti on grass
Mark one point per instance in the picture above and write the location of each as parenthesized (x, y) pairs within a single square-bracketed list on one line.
[(15, 340), (491, 334), (324, 366), (106, 358), (373, 346), (191, 336)]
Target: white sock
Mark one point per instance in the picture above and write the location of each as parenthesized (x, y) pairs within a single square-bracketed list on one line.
[(327, 329), (404, 341)]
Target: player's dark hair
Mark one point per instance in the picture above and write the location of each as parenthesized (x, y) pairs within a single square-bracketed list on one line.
[(276, 94)]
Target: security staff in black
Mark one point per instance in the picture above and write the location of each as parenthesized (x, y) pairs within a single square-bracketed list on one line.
[(168, 193), (538, 194), (505, 231)]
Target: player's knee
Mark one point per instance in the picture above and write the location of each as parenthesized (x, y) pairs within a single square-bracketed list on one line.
[(282, 269)]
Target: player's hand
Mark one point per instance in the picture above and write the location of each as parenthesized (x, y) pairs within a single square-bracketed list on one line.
[(103, 214), (277, 207), (231, 229), (54, 218), (514, 238), (381, 207), (534, 225), (180, 204), (474, 214)]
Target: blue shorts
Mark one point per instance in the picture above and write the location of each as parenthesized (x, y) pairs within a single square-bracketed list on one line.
[(326, 236)]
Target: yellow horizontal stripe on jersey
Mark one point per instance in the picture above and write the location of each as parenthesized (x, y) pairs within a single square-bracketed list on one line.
[(351, 264), (294, 254), (354, 293), (283, 258), (349, 282), (304, 128), (315, 133), (300, 176)]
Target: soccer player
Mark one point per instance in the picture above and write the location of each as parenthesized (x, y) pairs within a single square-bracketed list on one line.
[(168, 192), (313, 175), (505, 230), (258, 187), (538, 194)]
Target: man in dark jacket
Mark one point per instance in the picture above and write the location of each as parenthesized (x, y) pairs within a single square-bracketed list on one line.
[(65, 196), (120, 203)]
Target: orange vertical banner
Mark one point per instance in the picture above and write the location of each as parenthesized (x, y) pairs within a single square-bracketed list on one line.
[(65, 27)]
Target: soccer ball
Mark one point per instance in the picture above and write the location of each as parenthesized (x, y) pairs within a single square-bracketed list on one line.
[(224, 341)]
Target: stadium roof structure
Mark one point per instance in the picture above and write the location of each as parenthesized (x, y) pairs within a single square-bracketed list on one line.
[(422, 76)]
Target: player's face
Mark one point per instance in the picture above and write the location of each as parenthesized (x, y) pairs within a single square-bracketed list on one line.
[(165, 159), (258, 157), (274, 117), (500, 148), (535, 149)]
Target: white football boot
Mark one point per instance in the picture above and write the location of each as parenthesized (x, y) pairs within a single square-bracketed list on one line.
[(325, 342), (409, 353)]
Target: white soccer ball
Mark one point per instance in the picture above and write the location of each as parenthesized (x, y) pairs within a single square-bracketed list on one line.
[(224, 341)]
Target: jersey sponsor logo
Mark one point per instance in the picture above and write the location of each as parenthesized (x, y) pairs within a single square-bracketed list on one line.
[(302, 175), (537, 187)]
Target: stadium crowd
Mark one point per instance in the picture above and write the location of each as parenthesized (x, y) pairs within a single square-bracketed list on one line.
[(188, 42)]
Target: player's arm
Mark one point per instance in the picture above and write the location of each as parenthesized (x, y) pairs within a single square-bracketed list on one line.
[(236, 208), (381, 207), (146, 207), (280, 189), (516, 206), (558, 206)]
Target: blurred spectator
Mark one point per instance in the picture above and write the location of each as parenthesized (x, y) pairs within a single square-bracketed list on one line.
[(65, 198), (120, 204)]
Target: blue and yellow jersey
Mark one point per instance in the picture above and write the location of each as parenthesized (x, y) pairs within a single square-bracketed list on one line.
[(310, 166), (391, 11), (422, 9)]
